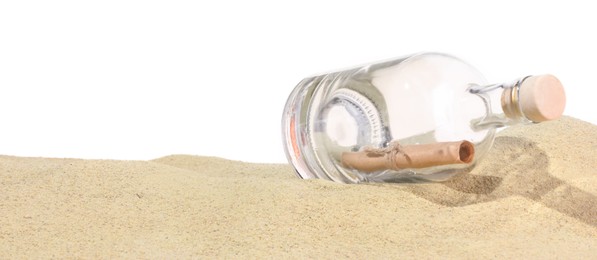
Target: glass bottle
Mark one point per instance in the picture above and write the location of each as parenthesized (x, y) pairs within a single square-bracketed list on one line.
[(424, 117)]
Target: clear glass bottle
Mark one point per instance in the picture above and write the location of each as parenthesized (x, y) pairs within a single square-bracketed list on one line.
[(357, 125)]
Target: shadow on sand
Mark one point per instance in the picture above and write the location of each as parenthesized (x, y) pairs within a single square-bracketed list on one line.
[(518, 167)]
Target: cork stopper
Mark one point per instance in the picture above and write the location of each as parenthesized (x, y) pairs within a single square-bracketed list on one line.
[(542, 98)]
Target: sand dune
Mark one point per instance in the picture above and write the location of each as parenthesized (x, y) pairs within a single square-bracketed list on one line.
[(533, 196)]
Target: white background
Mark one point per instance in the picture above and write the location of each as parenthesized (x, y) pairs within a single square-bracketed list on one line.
[(144, 79)]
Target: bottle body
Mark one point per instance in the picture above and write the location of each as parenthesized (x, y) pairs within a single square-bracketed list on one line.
[(417, 100)]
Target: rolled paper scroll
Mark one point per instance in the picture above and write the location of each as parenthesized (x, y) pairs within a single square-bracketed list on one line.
[(397, 157)]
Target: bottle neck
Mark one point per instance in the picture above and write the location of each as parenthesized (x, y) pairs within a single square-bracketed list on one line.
[(510, 101), (502, 103)]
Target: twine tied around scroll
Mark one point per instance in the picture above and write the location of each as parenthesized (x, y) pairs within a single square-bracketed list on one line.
[(396, 156)]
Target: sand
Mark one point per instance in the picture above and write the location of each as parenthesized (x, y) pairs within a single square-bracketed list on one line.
[(534, 196)]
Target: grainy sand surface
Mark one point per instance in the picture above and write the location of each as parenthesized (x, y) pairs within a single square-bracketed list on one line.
[(533, 196)]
